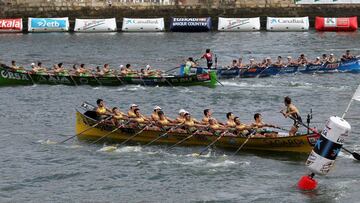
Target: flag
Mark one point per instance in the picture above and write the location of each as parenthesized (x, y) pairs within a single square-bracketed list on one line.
[(357, 94)]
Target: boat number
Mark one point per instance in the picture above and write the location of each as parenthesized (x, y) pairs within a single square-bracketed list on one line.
[(16, 76)]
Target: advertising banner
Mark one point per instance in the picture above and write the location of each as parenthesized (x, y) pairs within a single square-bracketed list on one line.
[(336, 24), (143, 24), (48, 24), (287, 24), (95, 25), (239, 24), (190, 24), (11, 25)]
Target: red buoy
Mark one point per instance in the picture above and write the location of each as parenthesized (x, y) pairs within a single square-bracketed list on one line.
[(307, 183)]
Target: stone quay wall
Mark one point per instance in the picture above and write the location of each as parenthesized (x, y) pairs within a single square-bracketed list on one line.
[(170, 8)]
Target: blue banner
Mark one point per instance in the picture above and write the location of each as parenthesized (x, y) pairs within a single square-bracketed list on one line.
[(48, 23)]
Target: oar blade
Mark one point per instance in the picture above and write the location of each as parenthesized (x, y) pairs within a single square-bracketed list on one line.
[(356, 155)]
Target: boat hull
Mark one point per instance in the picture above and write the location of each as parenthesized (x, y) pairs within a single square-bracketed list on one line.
[(299, 144), (10, 78), (350, 66)]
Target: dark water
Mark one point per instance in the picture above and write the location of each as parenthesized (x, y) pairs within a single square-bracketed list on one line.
[(34, 169)]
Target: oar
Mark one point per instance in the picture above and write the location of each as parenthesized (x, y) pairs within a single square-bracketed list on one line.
[(243, 144), (219, 82), (107, 134), (173, 128), (71, 77), (354, 154), (87, 129), (262, 71), (27, 72), (171, 69), (183, 140), (125, 141), (212, 143)]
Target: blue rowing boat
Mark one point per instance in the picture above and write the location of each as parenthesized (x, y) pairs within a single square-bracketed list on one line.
[(348, 66)]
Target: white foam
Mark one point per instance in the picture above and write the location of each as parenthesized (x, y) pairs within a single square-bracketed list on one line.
[(107, 149), (128, 149), (47, 142)]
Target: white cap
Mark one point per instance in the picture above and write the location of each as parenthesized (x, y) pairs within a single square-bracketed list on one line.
[(133, 105), (157, 108), (33, 64), (317, 57), (121, 66), (148, 66), (289, 57), (252, 59), (268, 58), (182, 111), (331, 54)]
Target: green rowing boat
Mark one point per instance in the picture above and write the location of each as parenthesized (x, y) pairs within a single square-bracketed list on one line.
[(9, 77)]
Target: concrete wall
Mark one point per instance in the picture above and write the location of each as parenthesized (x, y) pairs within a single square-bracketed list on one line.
[(167, 8)]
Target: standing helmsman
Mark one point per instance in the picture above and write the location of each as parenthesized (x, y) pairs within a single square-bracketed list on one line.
[(292, 112), (208, 56)]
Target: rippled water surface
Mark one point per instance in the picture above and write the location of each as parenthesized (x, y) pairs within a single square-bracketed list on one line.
[(33, 168)]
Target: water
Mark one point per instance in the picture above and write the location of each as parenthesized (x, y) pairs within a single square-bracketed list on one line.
[(32, 118)]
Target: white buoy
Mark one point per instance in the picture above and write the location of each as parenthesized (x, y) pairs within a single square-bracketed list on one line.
[(328, 146)]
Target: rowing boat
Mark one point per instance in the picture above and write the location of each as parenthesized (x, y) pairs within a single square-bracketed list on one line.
[(9, 77), (349, 66), (300, 144)]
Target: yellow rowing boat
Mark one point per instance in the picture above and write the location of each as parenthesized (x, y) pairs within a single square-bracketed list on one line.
[(301, 143)]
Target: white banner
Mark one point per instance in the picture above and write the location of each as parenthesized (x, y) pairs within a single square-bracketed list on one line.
[(143, 24), (95, 25), (239, 24), (287, 24), (327, 1)]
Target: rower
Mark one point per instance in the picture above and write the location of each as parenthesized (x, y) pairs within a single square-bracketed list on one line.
[(39, 68), (240, 64), (279, 62), (106, 69), (143, 72), (131, 112), (139, 118), (181, 117), (267, 62), (208, 57), (234, 64), (317, 61), (347, 56), (129, 70), (82, 69), (154, 115), (302, 60), (14, 66), (290, 62), (332, 59), (118, 116), (101, 110), (215, 127), (123, 70), (324, 59), (241, 128), (164, 121), (99, 72), (191, 123), (252, 63), (259, 125), (207, 117), (188, 65), (292, 111), (230, 120)]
